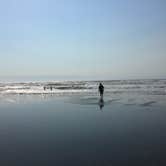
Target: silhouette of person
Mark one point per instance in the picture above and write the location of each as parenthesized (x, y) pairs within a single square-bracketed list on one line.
[(101, 90), (51, 88)]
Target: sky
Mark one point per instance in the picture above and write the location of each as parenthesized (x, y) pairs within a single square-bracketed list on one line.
[(94, 39)]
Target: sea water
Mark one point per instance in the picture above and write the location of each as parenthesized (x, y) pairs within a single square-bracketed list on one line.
[(69, 125)]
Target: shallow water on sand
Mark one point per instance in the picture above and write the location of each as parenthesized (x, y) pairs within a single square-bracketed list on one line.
[(75, 130)]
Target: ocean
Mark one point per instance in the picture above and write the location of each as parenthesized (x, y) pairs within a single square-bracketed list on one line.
[(65, 123)]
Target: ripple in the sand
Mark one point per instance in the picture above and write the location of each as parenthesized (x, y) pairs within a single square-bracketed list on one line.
[(149, 103), (142, 104), (93, 101)]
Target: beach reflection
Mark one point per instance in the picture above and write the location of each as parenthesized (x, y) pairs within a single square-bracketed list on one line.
[(101, 103)]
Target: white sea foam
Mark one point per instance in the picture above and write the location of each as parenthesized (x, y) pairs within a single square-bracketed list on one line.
[(156, 87), (127, 92)]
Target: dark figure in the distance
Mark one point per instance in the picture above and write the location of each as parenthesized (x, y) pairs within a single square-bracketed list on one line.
[(101, 90)]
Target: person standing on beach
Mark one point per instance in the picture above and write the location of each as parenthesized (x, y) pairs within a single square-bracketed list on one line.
[(101, 90)]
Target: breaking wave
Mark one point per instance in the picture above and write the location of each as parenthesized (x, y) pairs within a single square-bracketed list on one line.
[(152, 87)]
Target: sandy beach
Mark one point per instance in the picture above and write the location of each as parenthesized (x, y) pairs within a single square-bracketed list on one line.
[(73, 129)]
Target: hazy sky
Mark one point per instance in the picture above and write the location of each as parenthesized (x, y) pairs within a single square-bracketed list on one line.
[(83, 38)]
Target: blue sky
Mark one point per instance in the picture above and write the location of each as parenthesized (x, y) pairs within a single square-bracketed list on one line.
[(94, 39)]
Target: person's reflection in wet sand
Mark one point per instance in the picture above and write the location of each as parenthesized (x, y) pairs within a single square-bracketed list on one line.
[(101, 103)]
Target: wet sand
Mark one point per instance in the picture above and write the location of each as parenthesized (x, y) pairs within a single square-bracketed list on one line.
[(74, 130)]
